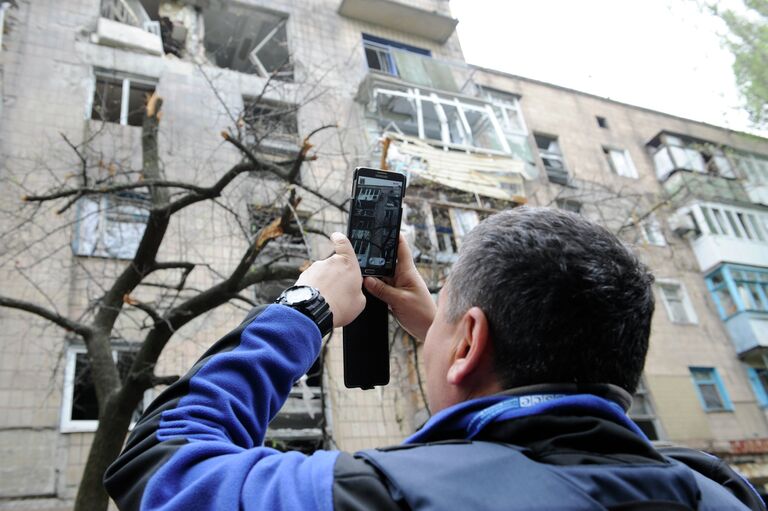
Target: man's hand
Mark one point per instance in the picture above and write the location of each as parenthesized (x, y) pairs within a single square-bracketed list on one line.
[(406, 294), (339, 280)]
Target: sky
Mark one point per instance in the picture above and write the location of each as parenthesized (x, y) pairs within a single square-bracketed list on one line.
[(665, 55)]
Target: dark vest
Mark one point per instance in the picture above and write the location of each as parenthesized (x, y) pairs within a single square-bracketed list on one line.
[(485, 475)]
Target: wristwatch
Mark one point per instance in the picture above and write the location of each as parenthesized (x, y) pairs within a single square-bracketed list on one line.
[(311, 303)]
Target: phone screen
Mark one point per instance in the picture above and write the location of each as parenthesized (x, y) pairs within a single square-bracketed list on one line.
[(374, 220)]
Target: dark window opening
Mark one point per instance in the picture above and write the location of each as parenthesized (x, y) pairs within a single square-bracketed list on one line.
[(248, 41), (120, 100), (602, 122), (85, 406)]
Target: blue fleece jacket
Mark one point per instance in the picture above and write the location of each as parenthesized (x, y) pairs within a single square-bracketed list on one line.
[(199, 445)]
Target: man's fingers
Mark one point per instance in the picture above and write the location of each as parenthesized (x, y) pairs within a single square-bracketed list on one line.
[(378, 288), (404, 252), (342, 246)]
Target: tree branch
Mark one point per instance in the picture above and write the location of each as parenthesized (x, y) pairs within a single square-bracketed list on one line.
[(80, 192), (54, 317)]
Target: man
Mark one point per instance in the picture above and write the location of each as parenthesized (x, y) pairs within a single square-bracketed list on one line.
[(538, 340)]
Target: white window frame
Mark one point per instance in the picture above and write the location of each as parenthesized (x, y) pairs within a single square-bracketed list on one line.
[(125, 91), (253, 56), (416, 97), (66, 423), (690, 312), (507, 103), (653, 225), (631, 170)]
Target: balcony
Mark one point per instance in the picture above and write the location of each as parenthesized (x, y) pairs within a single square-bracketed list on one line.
[(125, 24), (682, 186), (740, 294), (727, 234), (401, 17), (672, 152)]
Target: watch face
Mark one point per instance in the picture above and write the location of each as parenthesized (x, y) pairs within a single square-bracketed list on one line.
[(298, 295)]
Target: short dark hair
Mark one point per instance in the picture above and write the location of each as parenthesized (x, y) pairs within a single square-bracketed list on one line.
[(567, 302)]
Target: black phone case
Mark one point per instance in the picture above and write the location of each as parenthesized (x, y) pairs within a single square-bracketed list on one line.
[(366, 346)]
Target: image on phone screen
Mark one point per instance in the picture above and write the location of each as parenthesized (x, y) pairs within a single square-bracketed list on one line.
[(374, 222)]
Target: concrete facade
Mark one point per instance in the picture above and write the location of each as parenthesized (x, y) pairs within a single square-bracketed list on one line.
[(49, 65)]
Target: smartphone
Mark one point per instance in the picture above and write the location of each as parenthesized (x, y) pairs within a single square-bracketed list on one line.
[(374, 228), (374, 219)]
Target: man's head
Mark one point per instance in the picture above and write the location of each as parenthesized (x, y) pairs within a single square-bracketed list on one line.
[(538, 296)]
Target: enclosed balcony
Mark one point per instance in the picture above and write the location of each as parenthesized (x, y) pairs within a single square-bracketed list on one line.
[(740, 294), (724, 234), (672, 153)]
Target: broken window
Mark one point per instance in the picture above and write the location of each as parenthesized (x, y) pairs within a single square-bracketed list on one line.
[(552, 158), (273, 127), (248, 41), (120, 98), (110, 225), (80, 409), (453, 122), (438, 229)]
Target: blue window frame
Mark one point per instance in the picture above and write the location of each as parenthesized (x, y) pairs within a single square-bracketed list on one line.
[(710, 388), (737, 289), (378, 53), (759, 380)]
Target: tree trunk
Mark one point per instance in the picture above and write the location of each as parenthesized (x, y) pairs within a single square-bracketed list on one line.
[(106, 446)]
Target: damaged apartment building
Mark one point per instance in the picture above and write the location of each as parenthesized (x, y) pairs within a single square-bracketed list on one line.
[(379, 83)]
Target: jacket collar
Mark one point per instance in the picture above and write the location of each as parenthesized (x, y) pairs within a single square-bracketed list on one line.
[(466, 420)]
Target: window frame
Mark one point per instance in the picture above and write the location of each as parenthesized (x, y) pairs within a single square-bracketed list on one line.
[(383, 47), (276, 141), (691, 317), (760, 390), (727, 404), (630, 164), (415, 97), (653, 223), (644, 392), (66, 423), (125, 80)]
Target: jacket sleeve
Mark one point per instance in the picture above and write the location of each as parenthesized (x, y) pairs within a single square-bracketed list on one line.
[(199, 445)]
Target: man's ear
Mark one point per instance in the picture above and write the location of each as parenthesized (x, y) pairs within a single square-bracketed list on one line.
[(473, 350)]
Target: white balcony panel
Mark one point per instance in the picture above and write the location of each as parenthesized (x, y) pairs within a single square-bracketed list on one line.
[(401, 17), (748, 331), (120, 35), (712, 250)]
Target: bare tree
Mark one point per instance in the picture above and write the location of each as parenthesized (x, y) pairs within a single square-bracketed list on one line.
[(173, 302)]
